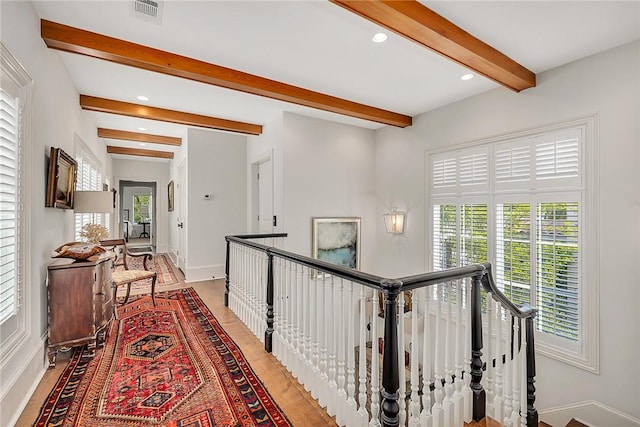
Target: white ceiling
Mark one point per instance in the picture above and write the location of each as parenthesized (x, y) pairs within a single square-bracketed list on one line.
[(322, 47)]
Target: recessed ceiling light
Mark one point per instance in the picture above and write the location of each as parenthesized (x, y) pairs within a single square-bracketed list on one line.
[(379, 37), (142, 98), (142, 128), (468, 76)]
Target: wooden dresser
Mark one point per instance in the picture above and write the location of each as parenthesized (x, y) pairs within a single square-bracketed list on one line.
[(80, 298)]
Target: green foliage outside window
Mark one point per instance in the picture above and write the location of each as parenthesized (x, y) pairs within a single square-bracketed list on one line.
[(141, 204)]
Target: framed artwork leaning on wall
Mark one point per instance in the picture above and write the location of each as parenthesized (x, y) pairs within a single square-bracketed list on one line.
[(337, 240)]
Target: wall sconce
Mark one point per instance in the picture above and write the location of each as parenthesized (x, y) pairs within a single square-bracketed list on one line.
[(394, 221)]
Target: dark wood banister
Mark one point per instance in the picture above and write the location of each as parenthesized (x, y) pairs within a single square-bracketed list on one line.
[(482, 278)]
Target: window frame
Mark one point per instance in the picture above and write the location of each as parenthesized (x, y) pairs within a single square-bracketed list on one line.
[(585, 353), (15, 331), (84, 157)]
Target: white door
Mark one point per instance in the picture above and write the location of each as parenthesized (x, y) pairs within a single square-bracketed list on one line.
[(265, 197), (181, 214)]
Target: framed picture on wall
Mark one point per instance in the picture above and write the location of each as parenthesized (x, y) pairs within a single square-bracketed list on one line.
[(170, 193), (61, 181), (337, 240)]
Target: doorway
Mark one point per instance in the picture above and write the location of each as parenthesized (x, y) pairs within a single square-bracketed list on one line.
[(138, 213), (263, 220)]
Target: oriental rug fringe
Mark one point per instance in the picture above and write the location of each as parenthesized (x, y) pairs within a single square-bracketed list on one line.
[(171, 365)]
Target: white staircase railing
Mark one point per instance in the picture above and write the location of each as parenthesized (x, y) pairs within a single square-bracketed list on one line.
[(383, 352)]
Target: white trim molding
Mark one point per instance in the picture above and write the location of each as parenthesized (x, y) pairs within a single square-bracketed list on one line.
[(591, 413)]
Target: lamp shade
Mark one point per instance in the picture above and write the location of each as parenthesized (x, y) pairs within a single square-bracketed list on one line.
[(394, 221), (93, 202)]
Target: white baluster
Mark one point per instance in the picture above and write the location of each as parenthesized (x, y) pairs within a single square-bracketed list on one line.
[(295, 319), (523, 378), (375, 379), (363, 415), (458, 401), (490, 352), (352, 407), (288, 314), (425, 414), (498, 402), (414, 407), (437, 409), (314, 369), (402, 402), (466, 354), (322, 334), (332, 346), (306, 336), (341, 398), (447, 403), (508, 374)]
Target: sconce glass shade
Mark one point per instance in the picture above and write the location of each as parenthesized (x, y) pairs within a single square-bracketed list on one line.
[(394, 221), (93, 202)]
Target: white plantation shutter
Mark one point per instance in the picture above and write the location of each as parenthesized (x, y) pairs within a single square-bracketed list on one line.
[(557, 269), (513, 251), (534, 187), (444, 170), (512, 163), (9, 204), (460, 171), (89, 178), (445, 236), (558, 159)]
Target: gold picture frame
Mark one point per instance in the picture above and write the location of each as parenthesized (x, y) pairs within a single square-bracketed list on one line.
[(170, 194), (61, 182)]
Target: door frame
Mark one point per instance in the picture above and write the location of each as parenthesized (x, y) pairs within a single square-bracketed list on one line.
[(148, 184)]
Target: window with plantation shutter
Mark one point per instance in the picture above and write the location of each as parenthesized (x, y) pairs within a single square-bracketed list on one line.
[(519, 203), (9, 224), (89, 178), (15, 158)]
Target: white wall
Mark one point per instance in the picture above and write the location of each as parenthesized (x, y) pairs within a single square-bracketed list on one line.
[(607, 84), (328, 172), (57, 119), (216, 166), (146, 171)]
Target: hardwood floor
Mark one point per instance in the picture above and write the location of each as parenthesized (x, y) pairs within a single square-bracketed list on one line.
[(298, 405)]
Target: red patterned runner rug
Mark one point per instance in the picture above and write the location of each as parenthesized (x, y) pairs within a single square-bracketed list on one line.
[(172, 365)]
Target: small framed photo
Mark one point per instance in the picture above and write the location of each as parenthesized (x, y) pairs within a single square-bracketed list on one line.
[(337, 240), (170, 193), (61, 182)]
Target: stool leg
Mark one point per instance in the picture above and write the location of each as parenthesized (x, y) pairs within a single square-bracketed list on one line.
[(153, 290)]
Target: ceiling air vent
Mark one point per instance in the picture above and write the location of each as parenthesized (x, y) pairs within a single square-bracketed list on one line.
[(148, 10)]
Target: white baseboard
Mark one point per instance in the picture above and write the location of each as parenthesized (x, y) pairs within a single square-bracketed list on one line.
[(206, 272), (14, 402), (591, 413)]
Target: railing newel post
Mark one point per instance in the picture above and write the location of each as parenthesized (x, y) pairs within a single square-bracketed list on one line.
[(479, 395), (390, 370), (226, 274), (532, 412), (268, 334)]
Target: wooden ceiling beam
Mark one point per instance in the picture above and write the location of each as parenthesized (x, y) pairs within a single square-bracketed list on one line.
[(103, 105), (420, 24), (139, 152), (138, 137), (74, 40)]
